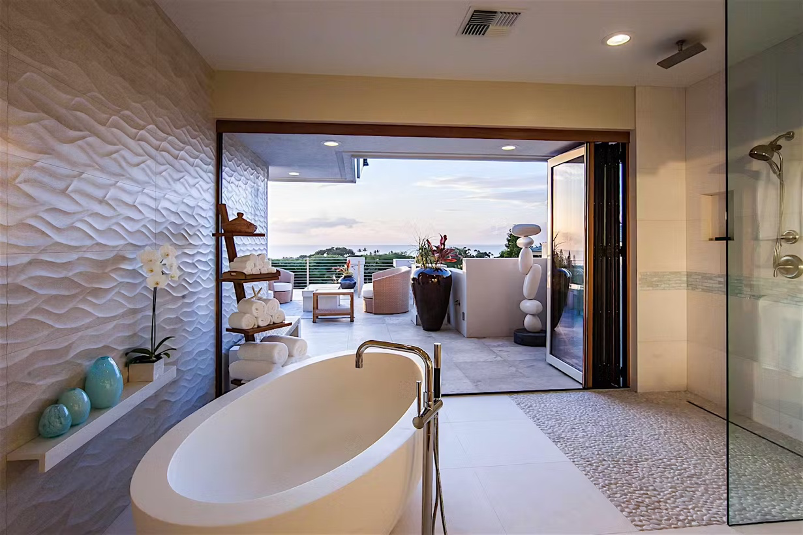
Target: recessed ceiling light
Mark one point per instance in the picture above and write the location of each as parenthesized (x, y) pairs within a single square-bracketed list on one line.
[(617, 39), (508, 147), (294, 173), (331, 143)]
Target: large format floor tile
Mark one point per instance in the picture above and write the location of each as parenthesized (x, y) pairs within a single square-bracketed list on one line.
[(505, 443), (549, 498)]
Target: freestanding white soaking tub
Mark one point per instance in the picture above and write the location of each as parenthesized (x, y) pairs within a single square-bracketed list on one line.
[(317, 447)]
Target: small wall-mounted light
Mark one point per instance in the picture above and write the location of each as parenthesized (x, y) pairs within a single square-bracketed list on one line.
[(331, 143), (365, 162), (508, 147), (294, 173)]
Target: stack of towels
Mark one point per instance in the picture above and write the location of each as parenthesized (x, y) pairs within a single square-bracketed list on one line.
[(258, 358), (256, 312), (252, 264)]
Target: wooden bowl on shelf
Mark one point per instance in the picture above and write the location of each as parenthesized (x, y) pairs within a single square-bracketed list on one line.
[(239, 225)]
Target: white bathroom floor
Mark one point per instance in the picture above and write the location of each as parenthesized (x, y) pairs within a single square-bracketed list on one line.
[(502, 475)]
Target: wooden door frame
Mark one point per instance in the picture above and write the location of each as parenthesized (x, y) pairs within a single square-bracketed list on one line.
[(227, 126), (585, 136)]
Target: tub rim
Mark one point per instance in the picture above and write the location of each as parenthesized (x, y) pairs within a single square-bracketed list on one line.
[(152, 494)]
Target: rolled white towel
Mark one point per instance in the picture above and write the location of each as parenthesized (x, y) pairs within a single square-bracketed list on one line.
[(254, 307), (242, 266), (248, 370), (271, 305), (265, 320), (296, 359), (265, 269), (261, 258), (250, 258), (278, 317), (275, 352), (271, 270), (296, 346), (242, 321)]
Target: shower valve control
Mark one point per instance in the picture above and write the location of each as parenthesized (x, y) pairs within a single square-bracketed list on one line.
[(790, 237)]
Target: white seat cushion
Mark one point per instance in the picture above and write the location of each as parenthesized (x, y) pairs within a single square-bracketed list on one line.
[(368, 290), (282, 287)]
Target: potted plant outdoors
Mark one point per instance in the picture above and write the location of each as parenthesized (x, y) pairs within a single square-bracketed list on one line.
[(347, 279), (432, 282), (160, 267)]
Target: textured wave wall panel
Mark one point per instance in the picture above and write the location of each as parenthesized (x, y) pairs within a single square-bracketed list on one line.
[(244, 188), (111, 148)]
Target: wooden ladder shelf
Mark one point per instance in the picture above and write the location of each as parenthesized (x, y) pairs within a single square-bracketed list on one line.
[(238, 281)]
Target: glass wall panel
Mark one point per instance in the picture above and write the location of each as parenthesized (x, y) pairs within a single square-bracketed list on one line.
[(764, 324)]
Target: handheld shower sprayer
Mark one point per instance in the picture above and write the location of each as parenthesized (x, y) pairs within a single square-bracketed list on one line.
[(789, 266)]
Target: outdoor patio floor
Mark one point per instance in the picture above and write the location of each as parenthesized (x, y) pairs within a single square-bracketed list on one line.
[(469, 365)]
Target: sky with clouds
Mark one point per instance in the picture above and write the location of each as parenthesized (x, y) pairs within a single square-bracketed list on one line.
[(473, 202)]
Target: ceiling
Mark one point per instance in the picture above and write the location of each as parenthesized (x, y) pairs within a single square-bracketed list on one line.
[(554, 41), (307, 155)]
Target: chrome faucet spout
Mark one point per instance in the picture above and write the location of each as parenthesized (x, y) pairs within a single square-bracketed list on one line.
[(426, 420)]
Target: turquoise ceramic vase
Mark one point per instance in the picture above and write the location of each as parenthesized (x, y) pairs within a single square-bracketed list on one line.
[(104, 384), (55, 420), (77, 403)]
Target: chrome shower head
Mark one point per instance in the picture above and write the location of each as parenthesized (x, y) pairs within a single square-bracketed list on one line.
[(762, 152), (765, 153)]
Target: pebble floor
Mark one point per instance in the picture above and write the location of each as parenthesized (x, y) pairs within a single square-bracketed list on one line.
[(662, 461)]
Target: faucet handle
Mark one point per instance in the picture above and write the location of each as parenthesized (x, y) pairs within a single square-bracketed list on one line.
[(419, 408)]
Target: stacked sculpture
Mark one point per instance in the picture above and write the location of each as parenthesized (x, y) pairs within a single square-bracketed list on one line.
[(532, 334)]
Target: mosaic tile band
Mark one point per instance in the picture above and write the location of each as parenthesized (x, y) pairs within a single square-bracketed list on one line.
[(754, 288)]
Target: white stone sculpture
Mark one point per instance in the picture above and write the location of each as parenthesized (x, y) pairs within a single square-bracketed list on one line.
[(533, 275)]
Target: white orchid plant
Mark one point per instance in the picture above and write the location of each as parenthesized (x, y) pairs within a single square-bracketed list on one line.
[(160, 267)]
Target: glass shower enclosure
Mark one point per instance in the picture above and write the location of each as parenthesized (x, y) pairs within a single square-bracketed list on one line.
[(764, 251)]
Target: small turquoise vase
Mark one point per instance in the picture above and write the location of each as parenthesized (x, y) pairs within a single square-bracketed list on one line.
[(77, 403), (104, 384), (55, 420)]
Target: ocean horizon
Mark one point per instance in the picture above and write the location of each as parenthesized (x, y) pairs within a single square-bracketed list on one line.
[(280, 251)]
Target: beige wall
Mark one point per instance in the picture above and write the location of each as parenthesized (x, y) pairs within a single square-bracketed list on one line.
[(293, 97), (706, 259), (661, 240), (492, 292), (107, 134)]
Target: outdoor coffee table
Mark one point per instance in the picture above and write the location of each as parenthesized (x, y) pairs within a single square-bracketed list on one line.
[(338, 310)]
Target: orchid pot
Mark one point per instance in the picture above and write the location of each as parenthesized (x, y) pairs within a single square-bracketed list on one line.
[(160, 267)]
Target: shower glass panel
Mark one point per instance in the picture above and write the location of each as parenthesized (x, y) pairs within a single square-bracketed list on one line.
[(764, 287)]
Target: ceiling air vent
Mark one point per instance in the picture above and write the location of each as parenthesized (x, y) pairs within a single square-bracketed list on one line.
[(487, 22)]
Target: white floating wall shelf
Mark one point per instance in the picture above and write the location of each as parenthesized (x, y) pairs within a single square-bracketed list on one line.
[(50, 451)]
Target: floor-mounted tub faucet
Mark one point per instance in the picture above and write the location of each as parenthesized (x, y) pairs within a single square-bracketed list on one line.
[(428, 404)]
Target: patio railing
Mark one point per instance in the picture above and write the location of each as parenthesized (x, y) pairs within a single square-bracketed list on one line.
[(321, 270)]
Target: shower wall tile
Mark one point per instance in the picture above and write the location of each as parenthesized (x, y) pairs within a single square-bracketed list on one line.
[(662, 193), (661, 246), (53, 209), (660, 132), (52, 123), (662, 365), (662, 315)]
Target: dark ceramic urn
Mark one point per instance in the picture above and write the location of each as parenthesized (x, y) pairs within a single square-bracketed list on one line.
[(431, 290)]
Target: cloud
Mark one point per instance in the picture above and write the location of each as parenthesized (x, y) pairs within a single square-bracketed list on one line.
[(311, 225), (527, 190)]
